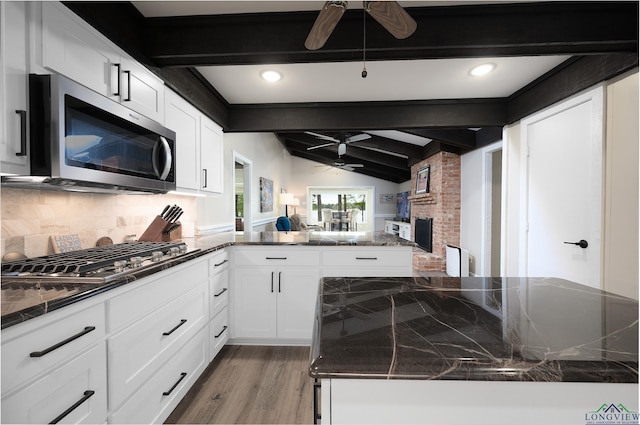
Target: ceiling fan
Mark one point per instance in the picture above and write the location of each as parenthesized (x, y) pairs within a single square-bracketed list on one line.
[(389, 14), (342, 139)]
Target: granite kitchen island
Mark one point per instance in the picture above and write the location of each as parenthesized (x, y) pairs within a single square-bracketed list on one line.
[(474, 351)]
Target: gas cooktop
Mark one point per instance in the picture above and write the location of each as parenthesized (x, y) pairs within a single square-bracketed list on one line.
[(98, 264)]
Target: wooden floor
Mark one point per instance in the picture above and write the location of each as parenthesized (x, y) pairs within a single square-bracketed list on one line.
[(251, 385)]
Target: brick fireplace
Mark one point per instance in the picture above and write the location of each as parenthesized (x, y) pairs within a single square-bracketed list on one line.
[(442, 204)]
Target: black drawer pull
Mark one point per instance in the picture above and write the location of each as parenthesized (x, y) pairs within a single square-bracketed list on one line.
[(128, 98), (117, 90), (87, 394), (182, 322), (61, 343), (224, 328), (23, 133), (219, 264), (276, 258), (221, 292), (366, 258), (182, 375)]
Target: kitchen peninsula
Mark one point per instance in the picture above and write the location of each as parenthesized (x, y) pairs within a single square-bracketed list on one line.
[(125, 347), (474, 350)]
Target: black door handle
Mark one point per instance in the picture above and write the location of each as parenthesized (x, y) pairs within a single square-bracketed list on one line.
[(581, 244)]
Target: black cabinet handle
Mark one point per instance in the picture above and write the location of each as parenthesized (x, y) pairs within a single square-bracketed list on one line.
[(272, 281), (128, 98), (182, 322), (117, 91), (316, 401), (221, 292), (279, 281), (219, 264), (23, 133), (224, 328), (204, 177), (61, 343), (366, 258), (582, 244), (87, 394), (182, 375), (275, 258)]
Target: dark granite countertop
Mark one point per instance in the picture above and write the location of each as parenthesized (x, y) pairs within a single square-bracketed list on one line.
[(23, 301), (489, 329)]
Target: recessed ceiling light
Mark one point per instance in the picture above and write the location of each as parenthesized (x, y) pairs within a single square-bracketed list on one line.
[(271, 76), (483, 69)]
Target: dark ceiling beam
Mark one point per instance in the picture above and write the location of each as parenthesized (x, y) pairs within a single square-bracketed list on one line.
[(367, 115), (538, 28), (461, 137)]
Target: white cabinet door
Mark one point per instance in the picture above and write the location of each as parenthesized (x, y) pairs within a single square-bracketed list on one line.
[(297, 290), (184, 119), (254, 303), (78, 388), (70, 48), (141, 90), (13, 85), (211, 153)]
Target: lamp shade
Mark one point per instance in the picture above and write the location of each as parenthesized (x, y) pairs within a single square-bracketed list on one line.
[(286, 198)]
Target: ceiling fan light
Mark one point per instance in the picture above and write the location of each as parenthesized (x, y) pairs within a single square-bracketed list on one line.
[(342, 149), (483, 69), (271, 76)]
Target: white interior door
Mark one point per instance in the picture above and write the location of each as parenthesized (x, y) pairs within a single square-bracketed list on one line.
[(563, 196)]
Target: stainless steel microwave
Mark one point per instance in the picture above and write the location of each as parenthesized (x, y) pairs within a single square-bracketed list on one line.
[(81, 140)]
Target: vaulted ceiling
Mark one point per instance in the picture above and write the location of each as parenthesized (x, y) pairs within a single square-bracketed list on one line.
[(203, 50)]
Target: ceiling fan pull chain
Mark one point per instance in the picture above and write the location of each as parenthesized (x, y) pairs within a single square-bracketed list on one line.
[(364, 39)]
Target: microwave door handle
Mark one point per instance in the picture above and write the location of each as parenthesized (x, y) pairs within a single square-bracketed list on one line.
[(168, 159)]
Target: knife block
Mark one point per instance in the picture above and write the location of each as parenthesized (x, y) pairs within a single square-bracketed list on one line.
[(174, 234), (154, 231)]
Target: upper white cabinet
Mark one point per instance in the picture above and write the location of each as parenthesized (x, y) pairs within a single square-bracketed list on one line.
[(199, 146), (14, 27), (73, 48)]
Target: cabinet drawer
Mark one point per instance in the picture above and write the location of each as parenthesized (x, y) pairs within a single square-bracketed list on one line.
[(219, 292), (155, 291), (367, 257), (81, 382), (275, 256), (218, 333), (162, 393), (219, 262), (44, 342), (136, 353)]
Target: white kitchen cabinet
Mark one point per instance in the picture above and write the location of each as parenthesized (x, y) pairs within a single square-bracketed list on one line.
[(75, 392), (367, 261), (73, 48), (219, 329), (199, 148), (211, 154), (161, 394), (273, 294), (14, 26)]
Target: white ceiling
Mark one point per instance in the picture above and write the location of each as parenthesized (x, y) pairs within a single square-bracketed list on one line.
[(336, 82)]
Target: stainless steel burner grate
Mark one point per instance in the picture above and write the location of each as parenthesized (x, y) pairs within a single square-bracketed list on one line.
[(86, 260)]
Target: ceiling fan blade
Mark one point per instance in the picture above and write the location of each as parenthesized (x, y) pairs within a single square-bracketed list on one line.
[(322, 136), (354, 165), (346, 168), (392, 17), (325, 23), (358, 137), (320, 146)]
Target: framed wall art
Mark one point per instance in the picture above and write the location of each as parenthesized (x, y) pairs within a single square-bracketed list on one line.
[(266, 194), (422, 180)]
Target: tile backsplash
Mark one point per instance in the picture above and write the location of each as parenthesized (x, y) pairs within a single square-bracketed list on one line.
[(30, 217)]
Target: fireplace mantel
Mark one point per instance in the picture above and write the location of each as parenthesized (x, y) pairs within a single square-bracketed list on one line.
[(426, 199)]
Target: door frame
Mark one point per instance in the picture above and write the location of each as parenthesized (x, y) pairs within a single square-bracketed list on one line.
[(247, 166), (487, 222), (595, 95)]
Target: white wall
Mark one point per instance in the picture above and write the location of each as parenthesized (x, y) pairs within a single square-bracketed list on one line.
[(309, 173), (473, 222), (271, 160)]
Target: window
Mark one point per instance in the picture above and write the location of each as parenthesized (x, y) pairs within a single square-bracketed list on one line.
[(340, 199)]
